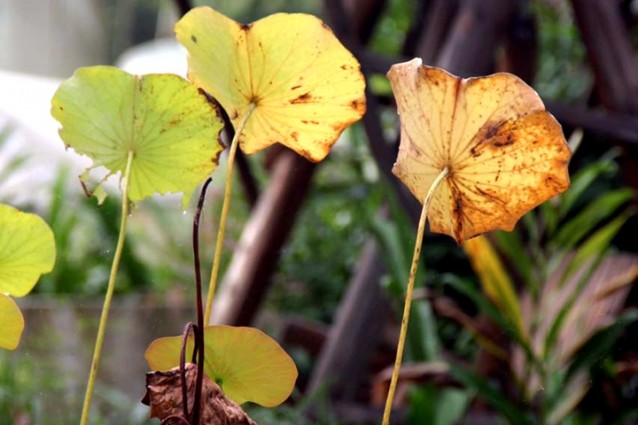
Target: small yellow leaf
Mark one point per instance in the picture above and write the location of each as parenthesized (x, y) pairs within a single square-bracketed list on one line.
[(11, 323), (305, 86), (248, 364), (27, 250), (504, 152)]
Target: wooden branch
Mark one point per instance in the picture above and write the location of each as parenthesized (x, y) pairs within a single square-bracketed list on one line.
[(364, 15), (437, 25), (613, 62), (521, 45), (610, 53), (622, 127), (354, 334), (417, 27), (476, 33), (257, 253)]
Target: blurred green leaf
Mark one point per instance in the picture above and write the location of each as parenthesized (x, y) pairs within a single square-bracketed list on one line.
[(492, 395), (582, 180), (510, 245), (592, 251), (435, 406), (601, 343), (573, 231)]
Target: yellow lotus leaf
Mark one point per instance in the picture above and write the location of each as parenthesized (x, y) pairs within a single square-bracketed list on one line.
[(504, 152), (304, 85), (11, 323), (245, 362)]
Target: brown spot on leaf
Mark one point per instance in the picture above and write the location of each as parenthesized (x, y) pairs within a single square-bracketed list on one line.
[(457, 213), (358, 105), (294, 135), (493, 129), (194, 39), (295, 87), (303, 98)]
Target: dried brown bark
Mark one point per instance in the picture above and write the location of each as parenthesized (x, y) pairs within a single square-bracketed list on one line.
[(255, 258), (610, 53), (437, 25), (476, 33), (353, 337), (164, 396)]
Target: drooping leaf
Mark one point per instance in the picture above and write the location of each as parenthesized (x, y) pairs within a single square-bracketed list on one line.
[(163, 120), (245, 362), (495, 281), (505, 153), (306, 87), (27, 250), (11, 323)]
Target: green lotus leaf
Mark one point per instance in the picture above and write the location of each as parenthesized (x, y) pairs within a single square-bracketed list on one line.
[(164, 121), (27, 250), (11, 323), (245, 362)]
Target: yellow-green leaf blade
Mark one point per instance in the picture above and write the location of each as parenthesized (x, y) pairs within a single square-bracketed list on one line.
[(27, 250), (307, 87), (11, 323), (164, 120), (495, 281), (247, 363)]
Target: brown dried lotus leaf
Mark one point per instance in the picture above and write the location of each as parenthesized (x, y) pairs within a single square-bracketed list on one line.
[(505, 153), (164, 396)]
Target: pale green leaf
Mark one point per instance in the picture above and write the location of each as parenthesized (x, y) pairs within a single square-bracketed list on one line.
[(166, 122)]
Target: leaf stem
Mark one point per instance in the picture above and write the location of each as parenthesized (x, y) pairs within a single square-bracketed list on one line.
[(212, 285), (126, 177), (408, 295), (199, 329)]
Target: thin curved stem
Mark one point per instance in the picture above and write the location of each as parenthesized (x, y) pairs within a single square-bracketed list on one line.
[(212, 286), (408, 295), (190, 326), (199, 329), (126, 178)]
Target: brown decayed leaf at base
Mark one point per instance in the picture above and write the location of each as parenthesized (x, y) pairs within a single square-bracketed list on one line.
[(164, 396), (505, 153)]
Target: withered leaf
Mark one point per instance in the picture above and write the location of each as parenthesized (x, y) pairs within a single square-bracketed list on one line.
[(164, 396)]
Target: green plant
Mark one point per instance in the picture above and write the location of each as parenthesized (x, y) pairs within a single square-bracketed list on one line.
[(159, 132), (539, 287)]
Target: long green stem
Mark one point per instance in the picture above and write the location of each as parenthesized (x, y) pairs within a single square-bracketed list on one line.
[(212, 285), (109, 293), (408, 295)]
